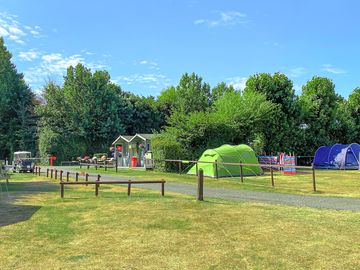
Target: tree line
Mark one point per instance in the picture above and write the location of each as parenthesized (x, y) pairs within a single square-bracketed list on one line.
[(88, 111)]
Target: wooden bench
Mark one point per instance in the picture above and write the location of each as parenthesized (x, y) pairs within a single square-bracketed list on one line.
[(98, 183)]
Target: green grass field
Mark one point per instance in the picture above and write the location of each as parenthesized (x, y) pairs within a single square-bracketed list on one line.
[(38, 230), (329, 182)]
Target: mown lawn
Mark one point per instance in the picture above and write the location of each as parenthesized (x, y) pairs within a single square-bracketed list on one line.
[(328, 182), (147, 231)]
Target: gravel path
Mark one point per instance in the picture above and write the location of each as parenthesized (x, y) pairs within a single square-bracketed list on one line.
[(337, 203)]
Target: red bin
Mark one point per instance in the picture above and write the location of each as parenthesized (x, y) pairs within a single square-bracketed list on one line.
[(133, 161)]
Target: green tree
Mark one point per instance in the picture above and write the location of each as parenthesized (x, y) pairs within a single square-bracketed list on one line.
[(235, 118), (354, 109), (220, 90), (319, 104), (82, 117), (18, 122), (282, 131), (193, 95)]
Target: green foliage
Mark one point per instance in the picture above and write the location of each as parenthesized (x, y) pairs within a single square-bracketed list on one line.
[(190, 95), (285, 121), (319, 104), (165, 146), (234, 119), (80, 118), (18, 121), (220, 90), (354, 110)]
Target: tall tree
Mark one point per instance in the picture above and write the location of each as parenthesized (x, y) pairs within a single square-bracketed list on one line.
[(220, 90), (319, 104), (193, 94), (82, 117), (354, 107), (282, 129), (18, 121)]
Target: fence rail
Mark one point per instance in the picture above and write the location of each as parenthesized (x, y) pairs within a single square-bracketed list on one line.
[(54, 173), (235, 164)]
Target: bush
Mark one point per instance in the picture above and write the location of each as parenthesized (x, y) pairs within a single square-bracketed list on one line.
[(165, 146)]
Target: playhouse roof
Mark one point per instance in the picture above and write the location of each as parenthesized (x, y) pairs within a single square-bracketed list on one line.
[(129, 138)]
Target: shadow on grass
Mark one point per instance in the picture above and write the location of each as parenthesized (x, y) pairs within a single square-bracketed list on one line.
[(10, 211)]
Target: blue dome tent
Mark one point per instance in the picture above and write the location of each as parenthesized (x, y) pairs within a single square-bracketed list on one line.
[(338, 156)]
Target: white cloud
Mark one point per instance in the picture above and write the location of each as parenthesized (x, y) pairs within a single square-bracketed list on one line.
[(329, 68), (237, 82), (28, 56), (16, 39), (3, 32), (148, 63), (51, 57), (15, 31), (150, 80), (297, 72), (54, 66), (224, 18)]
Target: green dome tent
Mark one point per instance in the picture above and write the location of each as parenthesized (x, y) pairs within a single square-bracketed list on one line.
[(228, 154)]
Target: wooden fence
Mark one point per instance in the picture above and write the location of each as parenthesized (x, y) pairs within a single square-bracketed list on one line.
[(64, 179), (270, 167)]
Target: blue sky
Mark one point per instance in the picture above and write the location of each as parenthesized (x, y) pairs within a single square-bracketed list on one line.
[(148, 45)]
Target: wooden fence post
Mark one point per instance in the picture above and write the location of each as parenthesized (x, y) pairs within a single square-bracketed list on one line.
[(97, 186), (56, 174), (39, 171), (88, 166), (62, 190), (163, 188), (272, 177), (35, 171), (197, 168), (216, 170), (80, 164), (86, 178), (47, 172), (76, 176), (51, 173), (129, 187), (313, 177), (200, 190), (67, 176), (61, 175), (241, 174), (179, 166)]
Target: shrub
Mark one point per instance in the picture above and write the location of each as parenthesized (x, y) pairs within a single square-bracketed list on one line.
[(165, 146)]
